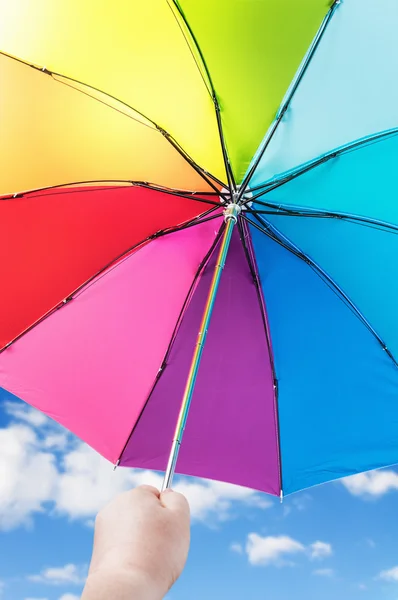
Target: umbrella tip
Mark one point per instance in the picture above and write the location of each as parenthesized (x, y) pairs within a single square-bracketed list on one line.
[(115, 466), (281, 496)]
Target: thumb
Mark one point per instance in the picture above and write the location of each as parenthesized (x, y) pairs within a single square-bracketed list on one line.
[(175, 501)]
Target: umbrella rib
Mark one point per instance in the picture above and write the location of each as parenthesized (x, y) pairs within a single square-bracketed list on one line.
[(210, 179), (244, 233), (189, 195), (309, 166), (248, 250), (212, 91), (275, 235), (282, 211), (207, 82), (203, 218), (296, 82), (180, 193), (164, 364), (59, 79)]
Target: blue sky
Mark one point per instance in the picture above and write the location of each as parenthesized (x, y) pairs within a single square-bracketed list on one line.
[(335, 541)]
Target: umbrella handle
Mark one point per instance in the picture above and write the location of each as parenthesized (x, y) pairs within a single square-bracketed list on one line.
[(231, 214)]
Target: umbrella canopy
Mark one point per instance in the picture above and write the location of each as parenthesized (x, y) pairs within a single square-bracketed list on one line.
[(164, 163)]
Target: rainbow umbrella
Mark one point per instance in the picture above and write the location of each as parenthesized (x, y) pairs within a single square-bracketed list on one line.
[(167, 162)]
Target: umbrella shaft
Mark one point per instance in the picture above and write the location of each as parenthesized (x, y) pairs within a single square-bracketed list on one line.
[(230, 218)]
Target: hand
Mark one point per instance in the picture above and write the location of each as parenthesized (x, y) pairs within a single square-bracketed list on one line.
[(141, 544)]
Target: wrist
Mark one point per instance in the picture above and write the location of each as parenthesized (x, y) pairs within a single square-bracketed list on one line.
[(121, 585)]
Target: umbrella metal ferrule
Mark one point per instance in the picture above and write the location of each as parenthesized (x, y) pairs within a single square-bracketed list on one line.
[(231, 214)]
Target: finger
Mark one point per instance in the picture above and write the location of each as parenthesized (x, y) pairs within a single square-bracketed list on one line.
[(148, 489), (174, 501)]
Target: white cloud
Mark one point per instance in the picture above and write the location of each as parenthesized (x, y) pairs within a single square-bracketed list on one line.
[(235, 547), (56, 441), (70, 573), (78, 482), (302, 501), (271, 550), (362, 587), (389, 575), (23, 412), (373, 484), (49, 433), (323, 572), (212, 498), (320, 550), (299, 503), (22, 465), (88, 482)]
